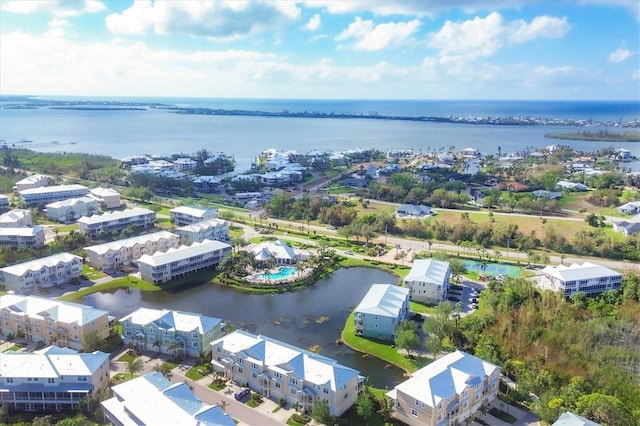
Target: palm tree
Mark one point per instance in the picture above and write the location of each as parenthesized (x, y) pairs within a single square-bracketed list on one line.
[(134, 365), (156, 344), (172, 347), (165, 369)]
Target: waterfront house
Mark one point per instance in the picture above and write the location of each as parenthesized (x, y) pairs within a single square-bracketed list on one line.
[(212, 229), (33, 181), (587, 278), (447, 391), (413, 210), (627, 227), (117, 220), (161, 267), (51, 379), (22, 237), (108, 198), (632, 208), (43, 272), (72, 209), (278, 370), (152, 400), (570, 419), (428, 280), (185, 164), (16, 218), (186, 215), (381, 310), (119, 253), (280, 252), (49, 321), (41, 196), (171, 332)]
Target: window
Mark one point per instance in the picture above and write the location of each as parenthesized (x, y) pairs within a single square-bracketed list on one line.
[(82, 378), (398, 404), (278, 385), (9, 380), (51, 380), (325, 391), (218, 349), (293, 380), (240, 370), (417, 403), (254, 375), (414, 412)]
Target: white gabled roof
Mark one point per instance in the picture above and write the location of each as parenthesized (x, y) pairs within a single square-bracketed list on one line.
[(29, 180), (173, 320), (194, 211), (577, 272), (183, 252), (428, 270), (21, 231), (37, 264), (446, 377), (104, 192), (70, 202), (115, 215), (38, 307), (15, 215), (55, 188), (277, 249), (570, 419), (50, 362), (205, 224), (130, 242), (384, 299)]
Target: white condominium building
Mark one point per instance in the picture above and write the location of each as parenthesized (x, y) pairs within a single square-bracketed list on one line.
[(587, 278), (22, 237), (109, 198), (212, 229), (185, 215), (428, 280), (44, 272), (116, 221), (174, 263), (116, 254), (72, 209), (279, 370), (48, 194), (33, 181), (51, 379), (16, 218), (51, 321)]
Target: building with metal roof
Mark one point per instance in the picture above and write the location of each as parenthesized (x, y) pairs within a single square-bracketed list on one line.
[(428, 280), (47, 271), (211, 229), (22, 237), (381, 310), (48, 194), (72, 209), (570, 419), (116, 221), (587, 278), (186, 215)]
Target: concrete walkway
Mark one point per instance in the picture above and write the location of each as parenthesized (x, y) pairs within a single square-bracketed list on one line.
[(523, 418)]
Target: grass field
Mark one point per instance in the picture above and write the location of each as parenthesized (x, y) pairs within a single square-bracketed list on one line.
[(92, 273)]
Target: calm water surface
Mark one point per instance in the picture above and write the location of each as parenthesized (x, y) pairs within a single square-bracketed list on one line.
[(312, 316)]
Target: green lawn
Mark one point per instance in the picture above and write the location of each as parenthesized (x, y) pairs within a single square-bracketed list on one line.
[(92, 273), (421, 308), (197, 372), (126, 357), (127, 281), (66, 228)]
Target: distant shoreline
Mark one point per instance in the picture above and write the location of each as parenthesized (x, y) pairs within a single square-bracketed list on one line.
[(81, 108), (599, 136)]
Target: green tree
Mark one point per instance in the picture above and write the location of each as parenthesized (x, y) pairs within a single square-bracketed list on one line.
[(365, 407), (165, 369), (604, 409), (134, 365), (321, 411), (92, 342), (407, 336)]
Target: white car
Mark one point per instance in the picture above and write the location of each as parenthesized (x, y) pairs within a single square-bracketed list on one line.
[(349, 252)]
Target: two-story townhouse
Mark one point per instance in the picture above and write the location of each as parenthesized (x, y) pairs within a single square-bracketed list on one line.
[(279, 370), (108, 198), (33, 237), (51, 379), (172, 332), (51, 321), (381, 310), (137, 217), (33, 181), (44, 272), (212, 229), (69, 210), (48, 194), (587, 278), (116, 254), (162, 267), (447, 391), (16, 218), (186, 215), (428, 280)]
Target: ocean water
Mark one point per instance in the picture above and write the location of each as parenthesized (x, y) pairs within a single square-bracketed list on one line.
[(157, 131)]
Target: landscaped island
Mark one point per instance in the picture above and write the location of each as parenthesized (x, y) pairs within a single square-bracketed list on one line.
[(599, 136)]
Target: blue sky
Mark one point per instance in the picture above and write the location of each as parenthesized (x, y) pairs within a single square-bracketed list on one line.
[(318, 49)]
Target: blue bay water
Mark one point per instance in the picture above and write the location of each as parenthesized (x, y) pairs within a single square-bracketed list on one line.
[(157, 131)]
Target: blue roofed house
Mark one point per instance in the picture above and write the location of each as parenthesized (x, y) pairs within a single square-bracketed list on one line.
[(627, 227), (428, 280), (569, 419), (152, 400), (381, 310), (447, 391)]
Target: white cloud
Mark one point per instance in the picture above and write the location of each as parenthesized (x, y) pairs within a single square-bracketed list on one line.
[(58, 22), (220, 20), (314, 23), (541, 27), (59, 8), (368, 36), (620, 55)]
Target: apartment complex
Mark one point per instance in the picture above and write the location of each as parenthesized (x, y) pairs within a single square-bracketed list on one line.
[(447, 391), (381, 310), (117, 254), (22, 237), (428, 280), (279, 370), (116, 221), (107, 197), (185, 215), (152, 400), (171, 332), (33, 181), (587, 278), (51, 379), (211, 229), (48, 321), (174, 263), (48, 194), (16, 218), (72, 209), (44, 272)]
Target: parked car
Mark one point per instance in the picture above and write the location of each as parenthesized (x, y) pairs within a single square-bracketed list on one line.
[(349, 252), (242, 393), (474, 306), (474, 300)]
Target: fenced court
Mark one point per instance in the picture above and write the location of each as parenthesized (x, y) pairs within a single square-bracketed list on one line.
[(492, 269)]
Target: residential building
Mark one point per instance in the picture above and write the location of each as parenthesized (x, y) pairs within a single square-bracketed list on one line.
[(627, 227), (48, 194), (549, 195), (185, 164), (447, 391), (413, 210), (174, 263), (171, 332), (632, 208), (428, 280), (279, 370), (22, 237), (33, 181), (72, 209), (211, 229), (108, 198), (381, 310), (569, 419), (116, 254), (16, 218), (44, 272), (280, 252), (51, 379), (117, 220), (152, 400), (4, 202), (49, 321), (587, 278), (185, 215), (571, 186)]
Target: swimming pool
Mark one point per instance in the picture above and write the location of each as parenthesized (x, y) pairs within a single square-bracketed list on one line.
[(492, 269), (282, 274)]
